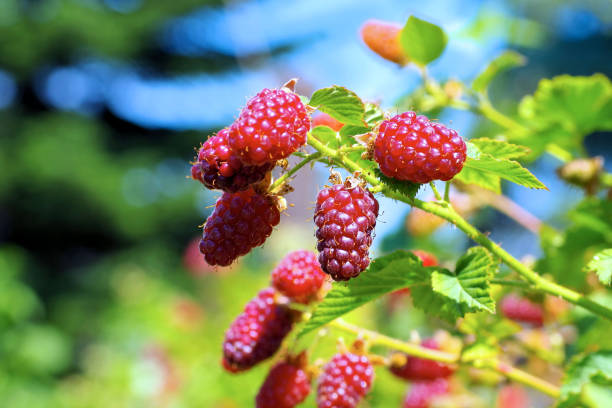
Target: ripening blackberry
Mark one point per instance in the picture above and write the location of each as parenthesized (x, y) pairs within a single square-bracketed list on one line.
[(219, 167), (240, 222), (419, 369), (272, 126), (410, 147), (345, 217), (286, 386), (422, 393), (299, 276), (257, 333), (346, 379)]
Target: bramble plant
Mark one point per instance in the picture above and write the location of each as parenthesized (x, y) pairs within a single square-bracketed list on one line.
[(396, 156)]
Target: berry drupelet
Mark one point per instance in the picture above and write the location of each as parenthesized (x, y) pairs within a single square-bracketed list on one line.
[(240, 222), (219, 167), (256, 333), (346, 379), (345, 217), (273, 125), (410, 147), (286, 386), (422, 369), (298, 276)]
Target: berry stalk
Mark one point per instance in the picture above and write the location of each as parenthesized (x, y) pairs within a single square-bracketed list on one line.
[(446, 211), (500, 367)]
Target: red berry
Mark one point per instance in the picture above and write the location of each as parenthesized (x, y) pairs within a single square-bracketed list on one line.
[(298, 276), (240, 222), (323, 119), (422, 369), (382, 37), (422, 393), (286, 386), (219, 167), (256, 333), (345, 217), (522, 310), (346, 379), (273, 125), (410, 147), (512, 396)]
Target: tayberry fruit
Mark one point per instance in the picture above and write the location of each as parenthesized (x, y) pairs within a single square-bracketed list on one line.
[(422, 393), (382, 37), (323, 119), (273, 125), (219, 167), (286, 386), (410, 147), (298, 276), (523, 310), (240, 222), (345, 217), (256, 333), (416, 368), (346, 379)]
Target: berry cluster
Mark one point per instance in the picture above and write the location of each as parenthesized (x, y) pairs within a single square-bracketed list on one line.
[(410, 147), (345, 217), (346, 379)]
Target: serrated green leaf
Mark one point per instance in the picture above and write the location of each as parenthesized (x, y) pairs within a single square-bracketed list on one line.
[(422, 41), (601, 264), (341, 104), (373, 114), (400, 186), (487, 325), (479, 178), (352, 130), (505, 61), (499, 149), (434, 304), (397, 270), (510, 170), (469, 284), (593, 368), (331, 138)]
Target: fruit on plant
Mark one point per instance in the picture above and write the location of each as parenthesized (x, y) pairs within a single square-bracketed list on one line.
[(240, 222), (345, 217), (522, 310), (346, 379), (422, 393), (299, 276), (286, 386), (512, 396), (273, 125), (219, 167), (410, 147), (416, 368), (382, 37), (256, 333), (323, 119)]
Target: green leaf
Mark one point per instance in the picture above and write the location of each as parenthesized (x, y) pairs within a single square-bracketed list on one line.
[(499, 149), (373, 114), (564, 109), (400, 186), (341, 104), (482, 179), (505, 61), (486, 167), (397, 270), (435, 304), (469, 284), (601, 264), (594, 368), (352, 130), (422, 41), (487, 325), (479, 351), (331, 138)]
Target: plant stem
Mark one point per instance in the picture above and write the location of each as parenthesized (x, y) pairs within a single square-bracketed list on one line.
[(449, 358), (446, 211), (505, 282), (447, 191), (281, 180), (435, 191)]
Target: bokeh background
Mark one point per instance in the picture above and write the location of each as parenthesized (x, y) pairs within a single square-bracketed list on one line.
[(104, 299)]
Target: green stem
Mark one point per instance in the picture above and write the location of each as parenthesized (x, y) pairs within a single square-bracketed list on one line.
[(505, 282), (281, 180), (435, 191), (447, 191), (446, 211), (505, 369)]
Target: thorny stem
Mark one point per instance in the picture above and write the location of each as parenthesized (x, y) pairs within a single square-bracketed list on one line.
[(281, 180), (446, 211), (497, 365)]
